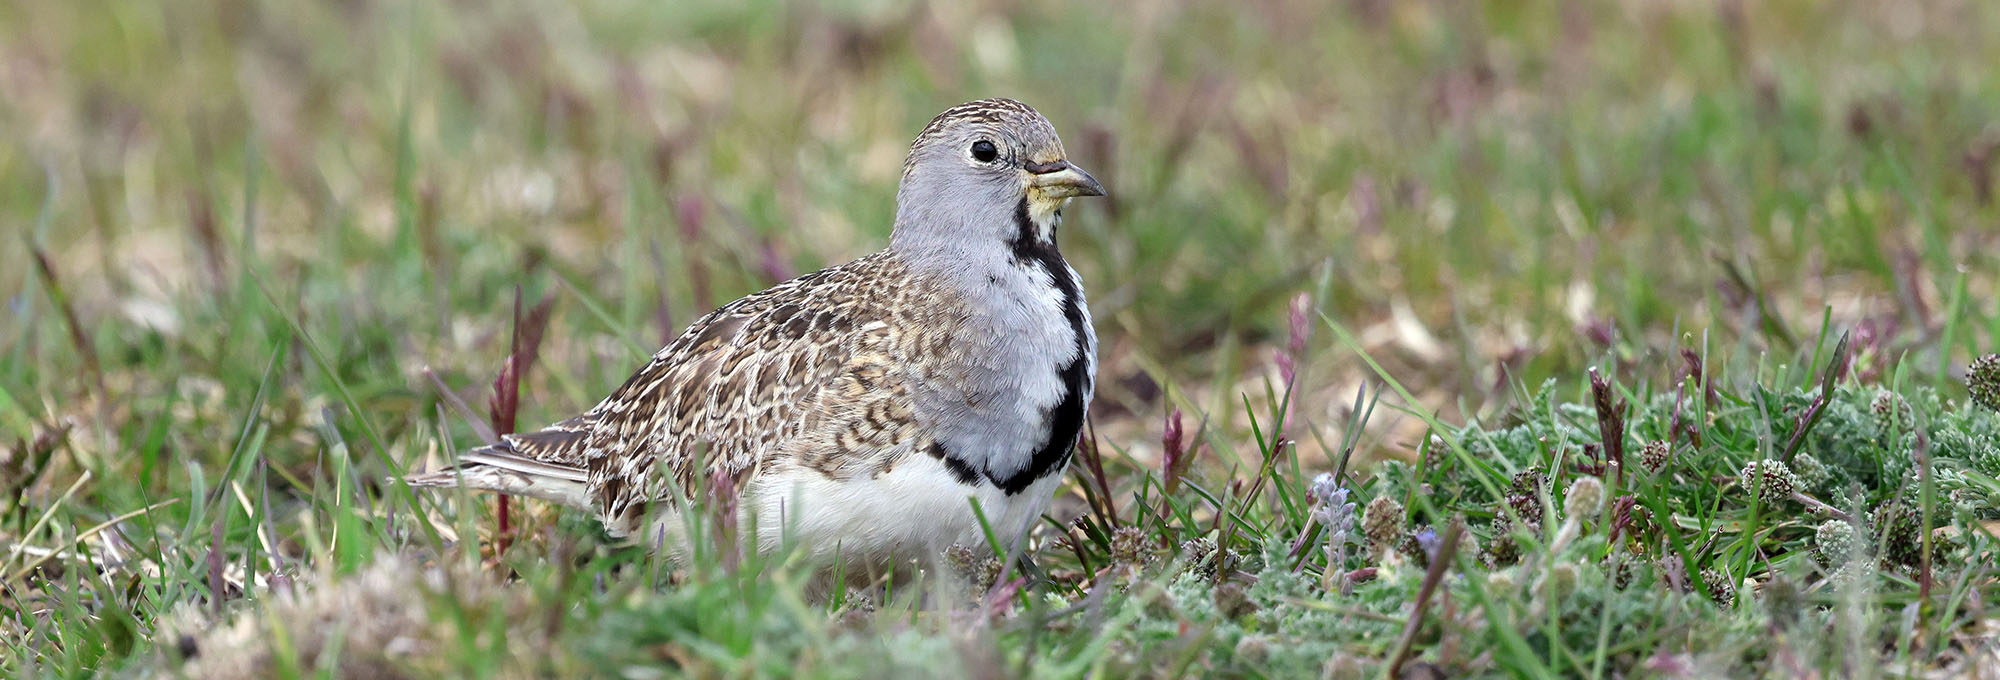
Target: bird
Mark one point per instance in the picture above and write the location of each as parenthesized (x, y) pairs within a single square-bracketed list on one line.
[(872, 413)]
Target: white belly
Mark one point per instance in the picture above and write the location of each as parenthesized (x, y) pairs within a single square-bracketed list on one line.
[(911, 513)]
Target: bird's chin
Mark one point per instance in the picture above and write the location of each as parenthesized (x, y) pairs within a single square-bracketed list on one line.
[(1051, 197), (1044, 203)]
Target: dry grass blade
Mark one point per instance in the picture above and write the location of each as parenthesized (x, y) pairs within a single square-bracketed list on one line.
[(1835, 367), (1100, 497), (722, 501), (20, 468), (523, 347), (48, 514), (216, 594), (464, 410), (1440, 563), (44, 557), (1610, 424), (1818, 506), (1773, 325), (1173, 453), (85, 349)]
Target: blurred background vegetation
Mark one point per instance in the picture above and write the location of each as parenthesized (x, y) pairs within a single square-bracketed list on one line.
[(1487, 193), (236, 232)]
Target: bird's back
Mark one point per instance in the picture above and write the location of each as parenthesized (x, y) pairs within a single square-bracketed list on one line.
[(809, 373)]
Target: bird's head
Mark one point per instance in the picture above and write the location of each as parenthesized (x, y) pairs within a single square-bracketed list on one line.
[(983, 170)]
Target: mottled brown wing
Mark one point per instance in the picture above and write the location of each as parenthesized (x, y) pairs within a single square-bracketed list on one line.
[(562, 444), (733, 388)]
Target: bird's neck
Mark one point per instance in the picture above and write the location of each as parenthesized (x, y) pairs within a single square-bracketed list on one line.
[(1024, 311), (966, 248)]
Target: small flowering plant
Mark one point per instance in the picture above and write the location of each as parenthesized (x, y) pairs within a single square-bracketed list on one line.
[(1335, 514)]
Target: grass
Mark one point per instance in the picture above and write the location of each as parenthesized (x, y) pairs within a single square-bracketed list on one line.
[(240, 232)]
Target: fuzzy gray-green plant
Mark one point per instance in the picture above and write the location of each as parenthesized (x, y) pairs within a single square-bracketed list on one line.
[(1381, 523), (1719, 587), (1769, 480), (1655, 455), (1833, 542), (1892, 411), (1899, 530), (381, 622), (1812, 475), (1584, 498), (1983, 381)]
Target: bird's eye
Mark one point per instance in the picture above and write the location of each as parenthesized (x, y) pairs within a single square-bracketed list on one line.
[(984, 152)]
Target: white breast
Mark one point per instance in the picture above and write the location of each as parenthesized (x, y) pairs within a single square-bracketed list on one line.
[(1014, 343)]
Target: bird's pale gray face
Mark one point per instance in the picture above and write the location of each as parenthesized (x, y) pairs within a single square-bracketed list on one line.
[(977, 164)]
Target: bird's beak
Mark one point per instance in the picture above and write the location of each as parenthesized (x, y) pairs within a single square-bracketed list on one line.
[(1059, 179)]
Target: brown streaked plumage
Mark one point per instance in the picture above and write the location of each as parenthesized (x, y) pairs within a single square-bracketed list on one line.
[(808, 373), (889, 393)]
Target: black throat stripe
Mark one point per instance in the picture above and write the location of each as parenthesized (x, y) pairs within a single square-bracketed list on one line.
[(1063, 422)]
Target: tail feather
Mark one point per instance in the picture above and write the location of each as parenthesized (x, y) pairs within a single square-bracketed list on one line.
[(489, 469)]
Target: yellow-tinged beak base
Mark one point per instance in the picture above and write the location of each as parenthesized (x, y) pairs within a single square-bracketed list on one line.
[(1059, 179)]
